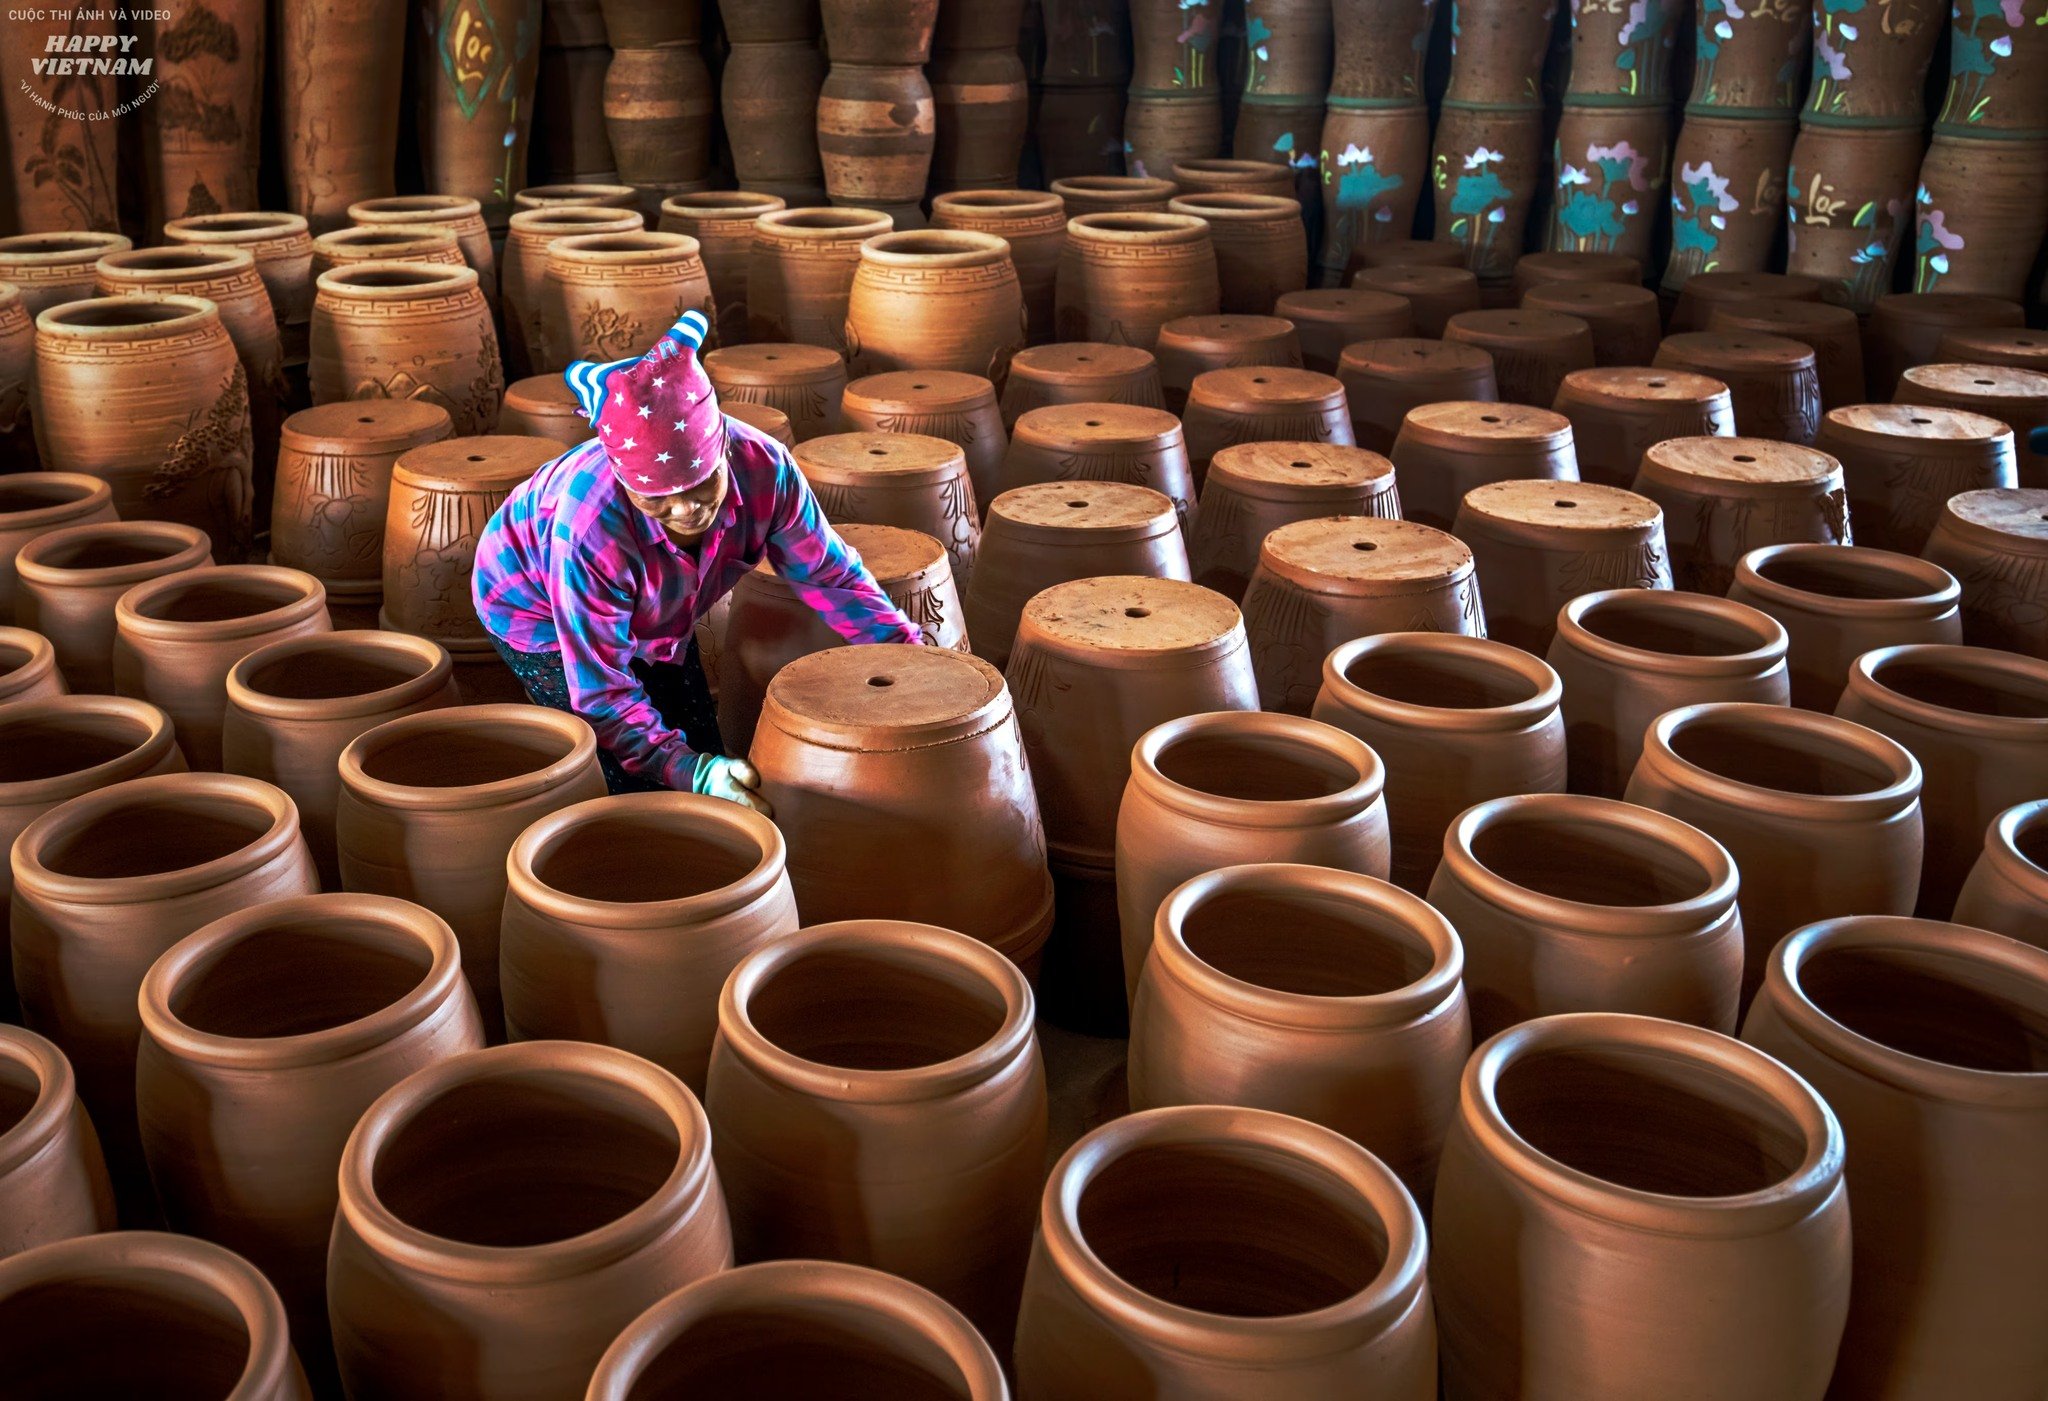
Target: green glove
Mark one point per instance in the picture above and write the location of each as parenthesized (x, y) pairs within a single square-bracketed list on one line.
[(734, 780)]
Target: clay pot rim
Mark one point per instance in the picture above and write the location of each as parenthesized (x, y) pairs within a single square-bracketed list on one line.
[(192, 314), (738, 207), (395, 241), (1164, 520), (843, 224), (1547, 689), (388, 210), (1396, 914), (56, 1092), (2025, 975), (688, 811), (1866, 682), (917, 249), (1267, 728), (135, 793), (194, 550), (1219, 167), (2002, 847), (555, 724), (34, 255), (1687, 916), (561, 220), (1137, 187), (1710, 1055), (955, 389), (1250, 1341), (641, 247), (154, 742), (1767, 655), (1235, 207), (747, 364), (1119, 227), (439, 670), (1013, 205), (761, 1287), (1941, 592), (1859, 426), (2004, 542), (411, 1248), (1893, 797), (174, 263), (37, 667), (94, 493), (883, 940), (389, 279), (254, 226), (572, 192), (401, 920), (134, 1256), (130, 620), (1542, 434)]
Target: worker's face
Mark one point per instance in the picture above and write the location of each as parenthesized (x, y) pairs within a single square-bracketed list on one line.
[(685, 515)]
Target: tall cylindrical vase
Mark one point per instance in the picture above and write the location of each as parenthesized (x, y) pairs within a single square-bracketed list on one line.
[(1488, 152), (1612, 157), (478, 62), (337, 87), (1078, 109), (1175, 110), (202, 128), (60, 171)]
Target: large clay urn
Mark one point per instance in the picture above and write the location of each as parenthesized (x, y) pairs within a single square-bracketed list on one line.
[(981, 110), (1081, 372), (807, 383), (1992, 542), (935, 299), (475, 76), (265, 1035), (1433, 294), (1905, 327), (903, 479), (431, 804), (338, 95), (2007, 891), (950, 404), (1252, 489), (607, 296), (282, 245), (1033, 224), (1922, 1038), (877, 127), (53, 1181), (658, 105), (768, 102), (1619, 413), (1123, 276), (1327, 319), (800, 273), (522, 277), (506, 1212), (1190, 346), (1455, 720), (1261, 246), (1640, 1170), (1201, 1250), (723, 225), (1568, 903), (69, 581), (1532, 350), (802, 1328), (384, 330), (50, 269), (1773, 382), (1262, 403), (2016, 397), (459, 214), (33, 504), (1446, 448), (418, 243), (625, 915)]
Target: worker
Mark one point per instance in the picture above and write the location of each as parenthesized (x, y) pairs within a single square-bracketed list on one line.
[(591, 577)]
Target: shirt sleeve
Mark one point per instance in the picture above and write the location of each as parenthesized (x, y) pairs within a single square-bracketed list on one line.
[(825, 571), (593, 594)]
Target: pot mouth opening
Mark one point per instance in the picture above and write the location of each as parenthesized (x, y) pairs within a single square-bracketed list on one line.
[(199, 599), (800, 1347), (41, 245), (1779, 759), (183, 831), (1439, 681), (295, 978), (417, 204), (22, 493), (177, 1340), (1588, 862), (238, 223), (13, 657), (1255, 768), (643, 859), (44, 747), (108, 551), (644, 241), (927, 243), (1829, 577), (457, 757), (1649, 1121), (831, 220), (1138, 221), (390, 275), (1935, 1006), (386, 236), (998, 199), (2030, 840), (1971, 690), (118, 312), (1304, 943), (1240, 1230), (1669, 630), (177, 257), (526, 1158), (908, 1013), (567, 214), (21, 1089), (330, 674)]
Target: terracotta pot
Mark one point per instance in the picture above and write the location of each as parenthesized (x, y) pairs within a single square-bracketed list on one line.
[(608, 296), (475, 86), (70, 580), (1100, 442), (1212, 175), (17, 360), (1624, 321), (1261, 246), (543, 406), (1773, 381), (265, 1035), (338, 94), (1488, 168), (1262, 404), (62, 170), (980, 106), (487, 772), (1728, 200), (1500, 56), (1534, 270), (935, 299), (1538, 545), (571, 141), (571, 1179), (1445, 449), (1977, 721), (1914, 1032), (1456, 720), (1384, 379), (658, 106), (876, 130), (801, 271), (1303, 1258), (1723, 497), (1608, 202), (1114, 194), (879, 31), (28, 667), (1123, 276), (1994, 345), (768, 101), (1034, 225), (1079, 132), (637, 24), (1327, 320), (949, 404), (1905, 328), (1081, 372), (1831, 332), (147, 393), (1165, 129), (92, 914), (1626, 656), (1992, 542), (293, 706), (523, 276), (53, 1181), (407, 331), (1192, 345), (1837, 173), (1901, 462), (33, 504), (1434, 295), (1254, 489), (1618, 414), (723, 225), (461, 215), (420, 243), (802, 1326), (1412, 252), (1865, 75), (1532, 351), (2004, 892), (2015, 397), (600, 196), (193, 1319), (283, 248), (806, 382), (50, 269), (768, 421), (897, 478), (1623, 58), (1686, 1160), (1837, 602), (1215, 790)]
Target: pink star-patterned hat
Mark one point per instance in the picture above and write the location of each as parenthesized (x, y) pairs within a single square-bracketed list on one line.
[(657, 416)]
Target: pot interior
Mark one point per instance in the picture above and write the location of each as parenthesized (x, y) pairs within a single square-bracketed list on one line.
[(172, 1340), (635, 859), (1939, 1007), (13, 658), (526, 1157), (409, 275), (1231, 1228), (244, 223), (120, 312), (1254, 768), (2031, 841), (1304, 942), (451, 757), (31, 245), (865, 1011), (38, 749), (20, 1088), (1675, 631), (328, 673), (1445, 681), (23, 492), (182, 257), (294, 978), (1830, 575), (1650, 1121), (200, 599), (1779, 758), (1593, 863), (1974, 691), (800, 1348), (173, 832), (109, 551)]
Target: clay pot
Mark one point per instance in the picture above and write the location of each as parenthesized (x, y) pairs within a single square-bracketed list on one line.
[(877, 127), (980, 107), (1772, 381), (458, 214), (28, 667), (595, 195), (2005, 890), (1162, 130), (1080, 133), (1300, 1255), (769, 422), (1212, 175), (1255, 488), (572, 1179), (801, 270), (338, 94), (1723, 497), (935, 299), (1080, 372), (146, 392), (625, 914), (1445, 449), (53, 1181), (2015, 397), (1727, 215), (543, 406), (794, 1327), (768, 101), (1901, 462), (897, 478), (723, 225), (1618, 414), (407, 331), (1624, 321), (1262, 404), (1411, 252), (638, 25), (1327, 320), (1704, 291), (1189, 346), (658, 106), (1122, 276), (192, 1319), (1836, 174), (1385, 379), (201, 155), (1905, 328), (1538, 545), (1374, 159), (1831, 332), (283, 249), (421, 243), (609, 296), (1493, 160), (33, 504), (958, 407), (70, 579), (1434, 295), (50, 269), (1977, 721), (1994, 345), (523, 277), (1456, 720), (1631, 1163), (1916, 1034), (1532, 350), (1034, 225), (92, 913), (1534, 270), (806, 382), (1261, 246), (1608, 202), (879, 31), (17, 360), (265, 1035), (1100, 442), (487, 772), (1114, 194), (1992, 541)]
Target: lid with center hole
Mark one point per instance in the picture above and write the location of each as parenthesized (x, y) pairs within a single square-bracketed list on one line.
[(1129, 614), (1733, 351), (888, 695), (1364, 556), (1898, 427), (1570, 508), (1979, 381), (895, 555), (2017, 517), (1103, 509), (773, 363), (496, 462), (1413, 358), (1344, 305), (1226, 334), (1097, 427), (1469, 426), (1621, 388), (1081, 361), (849, 458), (369, 425), (1293, 471), (1261, 388), (910, 391), (1740, 466)]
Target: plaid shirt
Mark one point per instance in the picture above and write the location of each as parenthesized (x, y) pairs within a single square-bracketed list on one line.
[(569, 564)]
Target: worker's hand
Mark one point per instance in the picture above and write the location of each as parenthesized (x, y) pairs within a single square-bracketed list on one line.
[(734, 780)]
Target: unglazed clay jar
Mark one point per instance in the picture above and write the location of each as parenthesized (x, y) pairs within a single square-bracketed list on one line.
[(1216, 790), (53, 1181), (69, 581), (1435, 295), (191, 1319), (522, 277), (806, 382), (1326, 320), (1100, 442), (903, 479), (723, 225), (1703, 291), (1252, 489), (1322, 994), (1624, 320), (1538, 545), (1665, 1196), (2017, 346), (1445, 449), (1217, 175), (600, 196), (1532, 350), (431, 804), (606, 296), (2007, 891), (543, 406), (33, 504), (1455, 720), (461, 216), (1905, 327), (625, 914), (1122, 276), (265, 1035), (1216, 1251), (949, 404), (1902, 462), (1190, 345), (876, 1097), (1033, 224), (506, 1212), (800, 272), (385, 330), (1831, 332), (769, 421), (1993, 542), (1977, 721), (935, 299), (1261, 245), (50, 269), (2015, 397), (1080, 372), (344, 247), (1534, 270), (1262, 404), (1925, 1039), (1838, 602), (1723, 497), (1618, 414), (1772, 381), (1383, 380), (1114, 194), (283, 248), (802, 1328), (28, 667)]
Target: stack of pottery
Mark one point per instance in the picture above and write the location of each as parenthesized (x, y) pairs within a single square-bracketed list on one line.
[(768, 97), (1374, 144), (658, 98), (1176, 103), (1613, 144), (1489, 141), (877, 123), (476, 66), (610, 296), (523, 283), (388, 330), (282, 246), (950, 404), (1094, 442), (1079, 109), (801, 270), (570, 142), (1035, 227), (1262, 404), (1279, 114), (723, 225), (338, 83), (978, 94), (1902, 462), (200, 143), (935, 299), (1446, 448)]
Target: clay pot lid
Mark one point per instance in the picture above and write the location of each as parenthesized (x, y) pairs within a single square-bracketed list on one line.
[(1097, 428), (109, 553), (359, 245), (1236, 207), (1985, 382), (373, 425), (1364, 556), (1103, 510), (1412, 252), (1143, 227), (764, 417), (773, 363), (2010, 519), (32, 499), (904, 458), (1995, 345), (220, 602), (1899, 427), (991, 208), (542, 396), (492, 462), (1734, 350), (549, 196), (556, 221), (886, 696), (824, 224), (1341, 306), (331, 675), (1278, 471), (1745, 467), (1624, 387), (1254, 389), (247, 228), (40, 257), (392, 280), (1792, 318), (1550, 508), (1473, 427), (1588, 299), (1138, 617), (1074, 362), (1960, 309), (1409, 279), (136, 316), (1535, 269), (1404, 358), (721, 207), (632, 248), (1227, 334), (1517, 326), (173, 263), (911, 390)]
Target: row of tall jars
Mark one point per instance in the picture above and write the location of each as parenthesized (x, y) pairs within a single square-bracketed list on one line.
[(981, 103), (1375, 136), (1175, 111), (1488, 155), (1612, 156)]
